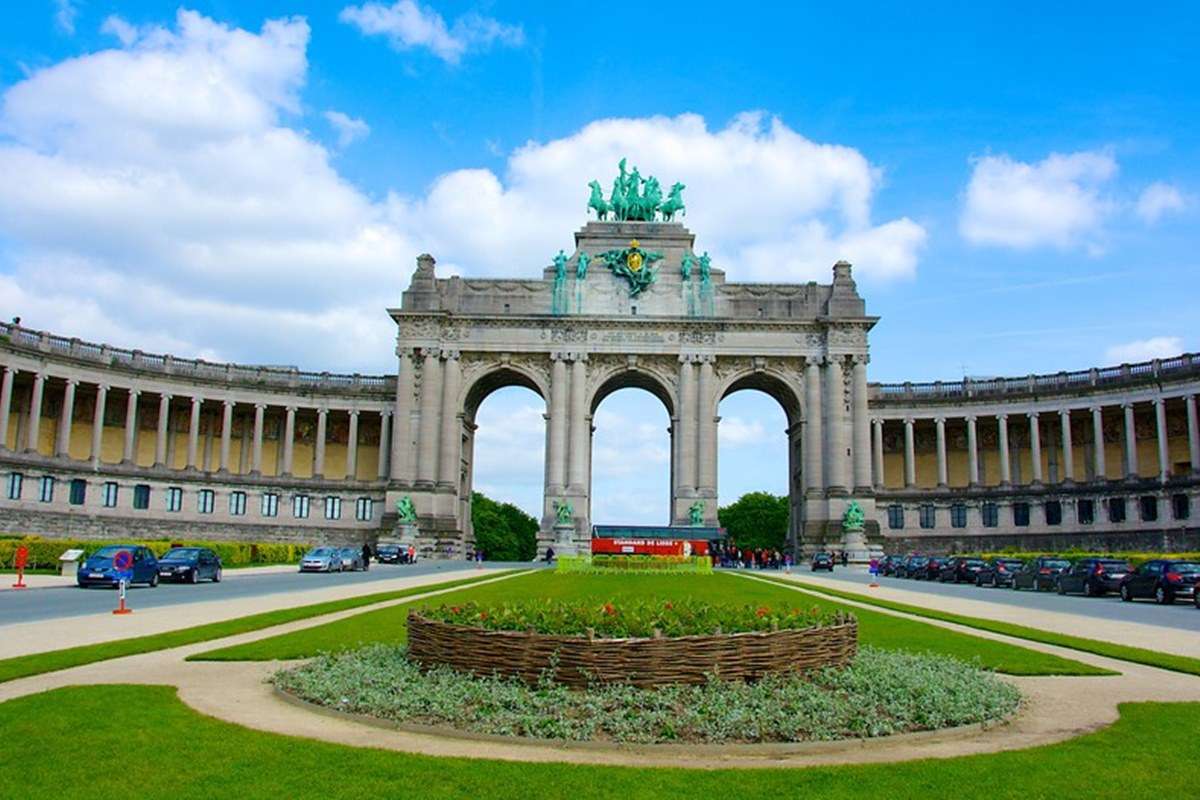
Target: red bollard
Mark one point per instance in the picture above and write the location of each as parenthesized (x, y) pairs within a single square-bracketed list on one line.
[(121, 607), (22, 558)]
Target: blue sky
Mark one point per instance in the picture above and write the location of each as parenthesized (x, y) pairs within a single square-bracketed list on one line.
[(1017, 186)]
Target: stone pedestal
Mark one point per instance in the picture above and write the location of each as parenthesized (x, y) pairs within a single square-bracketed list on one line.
[(408, 533), (564, 540), (858, 549)]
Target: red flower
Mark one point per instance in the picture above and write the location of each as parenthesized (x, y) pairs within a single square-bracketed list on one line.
[(609, 609), (483, 615), (455, 609), (668, 605), (762, 611)]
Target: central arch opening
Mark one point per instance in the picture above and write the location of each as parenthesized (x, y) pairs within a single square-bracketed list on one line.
[(631, 457)]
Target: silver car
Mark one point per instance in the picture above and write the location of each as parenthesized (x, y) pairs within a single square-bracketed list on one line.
[(322, 559), (351, 558)]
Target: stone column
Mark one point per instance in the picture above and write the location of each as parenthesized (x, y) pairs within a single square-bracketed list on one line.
[(556, 430), (352, 447), (685, 470), (226, 433), (6, 405), (1064, 418), (861, 439), (910, 456), (972, 452), (257, 451), (63, 447), (319, 448), (814, 483), (431, 387), (835, 421), (160, 439), (1035, 446), (451, 424), (942, 476), (1005, 466), (578, 424), (1131, 455), (402, 451), (707, 478), (35, 411), (1098, 465), (1193, 429), (385, 419), (877, 452), (127, 457), (193, 445), (98, 423), (289, 439), (1160, 426)]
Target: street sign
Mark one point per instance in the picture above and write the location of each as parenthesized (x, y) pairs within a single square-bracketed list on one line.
[(123, 564)]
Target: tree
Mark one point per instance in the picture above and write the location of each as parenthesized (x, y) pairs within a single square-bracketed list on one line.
[(756, 520), (502, 531)]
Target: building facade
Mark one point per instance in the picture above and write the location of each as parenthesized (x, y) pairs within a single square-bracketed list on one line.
[(102, 442)]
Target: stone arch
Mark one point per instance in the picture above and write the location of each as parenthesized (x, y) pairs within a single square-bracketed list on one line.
[(497, 377), (774, 383), (632, 376)]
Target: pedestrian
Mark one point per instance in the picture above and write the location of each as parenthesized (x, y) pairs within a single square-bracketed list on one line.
[(549, 555), (412, 554), (845, 558), (366, 556)]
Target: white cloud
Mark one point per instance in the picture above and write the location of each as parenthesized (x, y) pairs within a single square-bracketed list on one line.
[(1144, 350), (407, 25), (1158, 199), (349, 129), (1056, 202), (64, 16), (738, 432), (116, 26)]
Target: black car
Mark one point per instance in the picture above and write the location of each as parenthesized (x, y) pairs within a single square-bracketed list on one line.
[(998, 572), (960, 570), (1093, 577), (390, 554), (822, 561), (911, 566), (931, 569), (1165, 581), (890, 564), (1039, 574), (190, 564)]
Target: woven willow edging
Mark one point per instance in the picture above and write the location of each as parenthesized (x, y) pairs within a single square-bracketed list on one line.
[(579, 660)]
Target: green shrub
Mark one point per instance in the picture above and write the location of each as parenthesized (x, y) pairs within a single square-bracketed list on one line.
[(44, 553), (620, 563), (638, 618)]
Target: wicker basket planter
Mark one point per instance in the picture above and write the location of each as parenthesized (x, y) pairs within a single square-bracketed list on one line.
[(640, 662)]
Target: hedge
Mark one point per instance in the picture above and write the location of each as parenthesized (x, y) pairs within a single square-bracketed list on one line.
[(44, 553), (615, 564)]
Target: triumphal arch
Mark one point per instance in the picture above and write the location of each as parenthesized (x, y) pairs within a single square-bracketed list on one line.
[(633, 304)]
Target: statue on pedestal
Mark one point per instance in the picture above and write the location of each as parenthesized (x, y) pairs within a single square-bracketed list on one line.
[(696, 513), (407, 514)]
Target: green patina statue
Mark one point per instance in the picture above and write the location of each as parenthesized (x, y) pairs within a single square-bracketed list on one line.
[(596, 201), (581, 265), (673, 204), (406, 510), (560, 266), (705, 268), (564, 513), (635, 198), (558, 300), (685, 266), (696, 513), (853, 521)]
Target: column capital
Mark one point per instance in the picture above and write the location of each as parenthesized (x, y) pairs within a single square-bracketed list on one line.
[(228, 403), (322, 411), (260, 406), (970, 419), (451, 355), (103, 387), (1158, 401), (1128, 405), (430, 352), (707, 358), (1096, 409), (860, 359), (71, 381), (1064, 412), (1033, 415), (1002, 418), (580, 358), (939, 420), (688, 358), (909, 421), (135, 392), (290, 409), (353, 412), (877, 421), (197, 399), (386, 412)]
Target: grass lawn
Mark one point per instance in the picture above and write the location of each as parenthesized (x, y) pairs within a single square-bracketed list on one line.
[(1137, 655), (24, 666), (142, 739), (888, 632)]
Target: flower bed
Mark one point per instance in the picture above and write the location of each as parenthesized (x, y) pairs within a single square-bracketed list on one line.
[(598, 564), (878, 694), (641, 645)]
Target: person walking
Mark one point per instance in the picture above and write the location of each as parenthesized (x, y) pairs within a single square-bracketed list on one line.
[(845, 558), (366, 556)]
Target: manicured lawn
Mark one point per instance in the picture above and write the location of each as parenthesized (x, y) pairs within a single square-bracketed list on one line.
[(388, 624), (142, 741), (1137, 655), (24, 666)]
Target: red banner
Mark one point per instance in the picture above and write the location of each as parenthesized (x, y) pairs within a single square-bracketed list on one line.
[(650, 547)]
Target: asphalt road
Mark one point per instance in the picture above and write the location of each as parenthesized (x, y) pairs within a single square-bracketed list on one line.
[(1181, 615), (39, 604)]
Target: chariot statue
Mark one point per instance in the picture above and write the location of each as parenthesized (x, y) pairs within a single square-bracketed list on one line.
[(635, 198)]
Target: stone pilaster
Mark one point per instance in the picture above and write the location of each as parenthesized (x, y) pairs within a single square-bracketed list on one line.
[(578, 427), (403, 462), (193, 444), (1131, 453), (1160, 427), (1005, 465), (226, 434), (835, 424), (381, 461), (352, 446), (98, 424), (910, 456), (877, 452), (861, 439), (972, 451), (319, 447), (706, 413), (63, 445), (814, 442), (427, 445), (128, 455), (1098, 460), (260, 410), (1035, 446), (449, 459), (289, 440), (1193, 434), (35, 412), (556, 430), (1068, 454), (685, 469), (942, 477)]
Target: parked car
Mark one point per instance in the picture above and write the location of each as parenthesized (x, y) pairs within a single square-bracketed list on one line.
[(890, 564), (1039, 574), (998, 572), (352, 558), (322, 559), (1093, 577), (930, 570), (191, 564), (1165, 581), (390, 554), (960, 570), (822, 561), (911, 566), (97, 569)]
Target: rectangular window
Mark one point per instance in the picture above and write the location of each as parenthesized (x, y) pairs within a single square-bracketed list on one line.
[(1116, 509), (110, 494), (1054, 512), (237, 504), (1021, 515), (78, 491), (927, 515), (333, 508), (15, 480), (141, 496), (364, 509), (990, 514), (1148, 506), (174, 498), (958, 516), (300, 506), (270, 504), (205, 500), (1181, 508), (1086, 511), (896, 516), (46, 489)]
